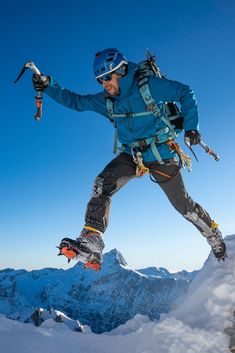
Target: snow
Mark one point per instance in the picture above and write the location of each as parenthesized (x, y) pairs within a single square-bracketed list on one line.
[(142, 336), (210, 300), (195, 326)]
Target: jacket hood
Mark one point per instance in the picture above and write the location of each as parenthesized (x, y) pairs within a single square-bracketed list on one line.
[(126, 82)]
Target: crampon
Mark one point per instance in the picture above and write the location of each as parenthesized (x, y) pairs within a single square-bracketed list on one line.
[(74, 251)]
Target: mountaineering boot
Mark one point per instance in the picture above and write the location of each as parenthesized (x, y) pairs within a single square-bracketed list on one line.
[(216, 242), (87, 248)]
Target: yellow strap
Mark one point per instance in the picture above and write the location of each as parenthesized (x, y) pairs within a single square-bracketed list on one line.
[(214, 225), (92, 229)]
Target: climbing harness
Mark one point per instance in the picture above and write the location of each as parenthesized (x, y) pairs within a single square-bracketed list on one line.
[(184, 161)]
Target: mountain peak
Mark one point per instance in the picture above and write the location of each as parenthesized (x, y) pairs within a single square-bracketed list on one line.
[(114, 257)]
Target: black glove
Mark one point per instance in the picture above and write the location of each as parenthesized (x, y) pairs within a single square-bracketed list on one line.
[(193, 136), (40, 82)]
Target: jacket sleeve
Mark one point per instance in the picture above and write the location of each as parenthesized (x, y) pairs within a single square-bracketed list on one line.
[(173, 91), (90, 102)]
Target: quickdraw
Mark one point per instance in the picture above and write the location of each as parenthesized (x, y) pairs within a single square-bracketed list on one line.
[(141, 169)]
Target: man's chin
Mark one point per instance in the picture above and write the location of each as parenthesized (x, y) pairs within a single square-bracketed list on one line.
[(113, 92)]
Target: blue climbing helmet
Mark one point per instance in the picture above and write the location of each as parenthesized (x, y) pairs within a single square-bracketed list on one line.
[(109, 60)]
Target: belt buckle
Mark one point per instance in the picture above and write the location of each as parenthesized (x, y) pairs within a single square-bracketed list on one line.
[(142, 145)]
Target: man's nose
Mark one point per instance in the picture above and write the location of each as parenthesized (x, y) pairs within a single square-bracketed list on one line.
[(104, 83)]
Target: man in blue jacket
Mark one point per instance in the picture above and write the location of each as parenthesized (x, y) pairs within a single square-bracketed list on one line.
[(136, 106)]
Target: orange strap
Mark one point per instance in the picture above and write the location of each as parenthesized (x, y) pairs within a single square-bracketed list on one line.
[(163, 174)]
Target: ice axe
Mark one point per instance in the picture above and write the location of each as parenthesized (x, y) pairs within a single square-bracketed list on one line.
[(203, 145), (210, 151), (33, 67)]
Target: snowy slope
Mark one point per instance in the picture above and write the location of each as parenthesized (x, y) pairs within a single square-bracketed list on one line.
[(210, 300), (196, 326), (138, 336)]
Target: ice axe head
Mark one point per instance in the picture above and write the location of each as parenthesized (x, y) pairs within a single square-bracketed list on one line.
[(28, 65)]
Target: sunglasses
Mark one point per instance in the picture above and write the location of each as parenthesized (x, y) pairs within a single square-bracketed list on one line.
[(107, 77)]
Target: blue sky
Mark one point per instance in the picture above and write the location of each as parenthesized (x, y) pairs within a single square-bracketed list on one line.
[(48, 168)]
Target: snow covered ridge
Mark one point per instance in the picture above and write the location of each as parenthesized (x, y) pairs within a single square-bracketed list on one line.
[(39, 316), (162, 272), (199, 324), (102, 300)]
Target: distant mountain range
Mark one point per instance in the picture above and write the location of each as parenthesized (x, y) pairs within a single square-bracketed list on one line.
[(162, 272), (102, 300)]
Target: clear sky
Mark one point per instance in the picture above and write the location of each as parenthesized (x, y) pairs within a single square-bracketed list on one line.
[(48, 167)]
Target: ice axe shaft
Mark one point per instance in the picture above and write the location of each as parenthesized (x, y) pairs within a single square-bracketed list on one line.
[(30, 65), (210, 151)]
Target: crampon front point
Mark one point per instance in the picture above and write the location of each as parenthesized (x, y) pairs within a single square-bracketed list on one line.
[(67, 252), (69, 249)]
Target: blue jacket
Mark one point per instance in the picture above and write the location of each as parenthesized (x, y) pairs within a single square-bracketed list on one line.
[(131, 129)]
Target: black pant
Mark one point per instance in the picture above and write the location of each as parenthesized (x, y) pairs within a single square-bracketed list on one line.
[(122, 169)]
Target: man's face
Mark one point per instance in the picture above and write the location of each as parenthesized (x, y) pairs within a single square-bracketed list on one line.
[(112, 86)]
